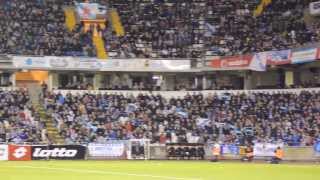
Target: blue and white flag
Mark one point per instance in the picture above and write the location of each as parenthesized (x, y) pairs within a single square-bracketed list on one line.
[(210, 29)]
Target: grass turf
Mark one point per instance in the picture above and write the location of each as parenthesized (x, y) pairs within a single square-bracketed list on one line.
[(154, 170)]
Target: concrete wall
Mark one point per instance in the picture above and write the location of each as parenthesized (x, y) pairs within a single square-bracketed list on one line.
[(264, 79), (252, 80)]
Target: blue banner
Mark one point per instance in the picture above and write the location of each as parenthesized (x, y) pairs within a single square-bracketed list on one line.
[(279, 57), (317, 148), (304, 55), (230, 149)]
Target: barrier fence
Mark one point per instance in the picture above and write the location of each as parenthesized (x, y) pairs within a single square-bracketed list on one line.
[(171, 94), (126, 150)]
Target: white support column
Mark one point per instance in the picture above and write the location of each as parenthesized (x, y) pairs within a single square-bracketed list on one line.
[(247, 80), (50, 81), (74, 79), (289, 78), (204, 82), (195, 82), (97, 81), (168, 83), (54, 81), (84, 77), (13, 79), (1, 79)]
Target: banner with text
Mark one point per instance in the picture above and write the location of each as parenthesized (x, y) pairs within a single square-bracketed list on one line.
[(278, 57), (30, 62), (59, 152), (145, 65), (304, 55), (4, 152), (265, 149), (19, 153), (230, 149), (91, 11), (314, 8), (109, 150), (257, 62), (232, 62), (317, 148), (78, 63)]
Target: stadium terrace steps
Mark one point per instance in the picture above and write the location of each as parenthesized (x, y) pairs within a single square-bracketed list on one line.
[(53, 134), (70, 18), (52, 130), (100, 47), (261, 7), (116, 23)]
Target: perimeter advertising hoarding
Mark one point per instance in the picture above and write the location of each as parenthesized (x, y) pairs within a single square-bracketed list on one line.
[(59, 152), (4, 152), (109, 150)]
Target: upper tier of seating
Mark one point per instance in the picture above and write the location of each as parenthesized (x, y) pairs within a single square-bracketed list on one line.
[(158, 28)]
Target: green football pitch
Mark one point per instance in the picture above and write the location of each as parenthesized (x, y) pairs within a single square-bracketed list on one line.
[(154, 170)]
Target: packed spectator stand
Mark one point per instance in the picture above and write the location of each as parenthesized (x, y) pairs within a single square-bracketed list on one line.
[(227, 118), (19, 122), (158, 28), (237, 31), (37, 28)]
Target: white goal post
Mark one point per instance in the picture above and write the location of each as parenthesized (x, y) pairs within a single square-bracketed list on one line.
[(138, 149)]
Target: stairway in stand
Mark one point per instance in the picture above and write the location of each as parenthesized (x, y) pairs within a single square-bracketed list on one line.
[(53, 134), (70, 18), (100, 46), (116, 23), (52, 130)]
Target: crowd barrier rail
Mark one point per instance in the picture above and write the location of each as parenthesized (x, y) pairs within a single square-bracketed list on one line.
[(171, 94)]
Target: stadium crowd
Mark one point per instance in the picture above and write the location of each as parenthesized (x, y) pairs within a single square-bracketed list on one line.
[(18, 121), (158, 28), (234, 29), (37, 28), (241, 118)]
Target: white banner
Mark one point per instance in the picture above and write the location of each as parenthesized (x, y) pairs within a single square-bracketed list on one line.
[(265, 149), (315, 8), (110, 150), (3, 152), (30, 62), (78, 63), (201, 122), (259, 62), (73, 63), (145, 65)]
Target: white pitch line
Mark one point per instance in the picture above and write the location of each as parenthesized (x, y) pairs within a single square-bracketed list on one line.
[(105, 172)]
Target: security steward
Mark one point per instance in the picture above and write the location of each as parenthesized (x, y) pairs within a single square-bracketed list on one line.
[(278, 156), (248, 154), (216, 150)]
